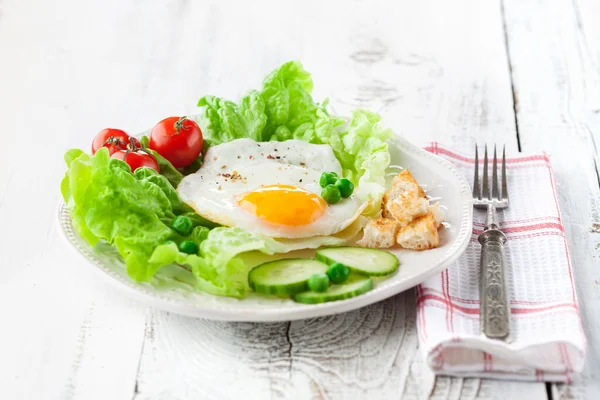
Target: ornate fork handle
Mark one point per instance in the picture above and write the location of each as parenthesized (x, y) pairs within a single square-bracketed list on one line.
[(495, 312)]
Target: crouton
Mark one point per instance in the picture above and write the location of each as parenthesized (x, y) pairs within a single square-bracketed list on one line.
[(404, 181), (379, 233), (421, 234), (438, 214), (406, 207), (384, 211), (417, 220), (405, 201), (399, 187)]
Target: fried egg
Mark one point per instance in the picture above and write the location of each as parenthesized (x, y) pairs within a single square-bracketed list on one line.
[(271, 188)]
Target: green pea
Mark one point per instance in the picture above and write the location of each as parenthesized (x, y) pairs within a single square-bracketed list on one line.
[(170, 242), (331, 194), (188, 247), (182, 225), (338, 273), (318, 282), (328, 178), (345, 186)]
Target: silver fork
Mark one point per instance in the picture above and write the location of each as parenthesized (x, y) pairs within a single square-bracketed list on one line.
[(495, 311)]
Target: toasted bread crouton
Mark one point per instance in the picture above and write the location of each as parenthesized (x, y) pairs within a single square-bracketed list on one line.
[(379, 233), (404, 181), (421, 234), (438, 213), (406, 207), (384, 211), (399, 187), (405, 201)]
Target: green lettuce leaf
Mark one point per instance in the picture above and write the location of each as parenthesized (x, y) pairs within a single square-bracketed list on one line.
[(131, 211), (227, 121), (218, 270), (193, 167), (282, 106), (167, 169), (288, 102), (363, 152)]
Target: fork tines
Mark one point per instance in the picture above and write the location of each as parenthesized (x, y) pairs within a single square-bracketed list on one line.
[(484, 194)]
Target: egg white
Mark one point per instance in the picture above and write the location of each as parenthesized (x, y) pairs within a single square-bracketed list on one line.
[(232, 169)]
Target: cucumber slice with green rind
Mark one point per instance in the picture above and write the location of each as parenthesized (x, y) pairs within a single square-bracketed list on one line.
[(355, 285), (370, 262), (286, 276)]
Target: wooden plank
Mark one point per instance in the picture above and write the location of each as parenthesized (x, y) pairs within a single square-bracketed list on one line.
[(469, 388), (586, 16), (555, 113), (444, 78), (330, 357), (65, 334)]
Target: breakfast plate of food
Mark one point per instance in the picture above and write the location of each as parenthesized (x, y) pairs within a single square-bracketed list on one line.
[(265, 209)]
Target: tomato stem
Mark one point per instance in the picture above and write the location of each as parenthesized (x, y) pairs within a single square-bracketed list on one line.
[(134, 144), (179, 124), (116, 141), (132, 147)]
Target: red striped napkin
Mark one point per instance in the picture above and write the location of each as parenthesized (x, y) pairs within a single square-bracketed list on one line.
[(546, 341)]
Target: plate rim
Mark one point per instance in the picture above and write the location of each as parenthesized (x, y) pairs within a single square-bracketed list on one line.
[(235, 312)]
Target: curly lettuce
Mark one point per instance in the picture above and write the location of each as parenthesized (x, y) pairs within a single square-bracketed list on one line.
[(233, 121), (131, 211)]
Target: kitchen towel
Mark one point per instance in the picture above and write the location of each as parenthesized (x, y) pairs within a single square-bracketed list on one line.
[(546, 341)]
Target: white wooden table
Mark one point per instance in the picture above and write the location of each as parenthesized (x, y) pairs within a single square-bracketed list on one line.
[(525, 73)]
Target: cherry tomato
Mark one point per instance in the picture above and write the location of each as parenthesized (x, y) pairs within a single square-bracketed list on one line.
[(113, 139), (137, 159), (179, 140)]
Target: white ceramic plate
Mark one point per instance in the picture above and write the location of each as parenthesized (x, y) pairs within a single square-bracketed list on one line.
[(438, 177)]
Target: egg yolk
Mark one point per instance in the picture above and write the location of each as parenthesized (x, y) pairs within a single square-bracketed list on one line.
[(283, 204)]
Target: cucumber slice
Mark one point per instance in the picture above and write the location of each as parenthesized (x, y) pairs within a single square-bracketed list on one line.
[(370, 262), (286, 276), (355, 285)]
